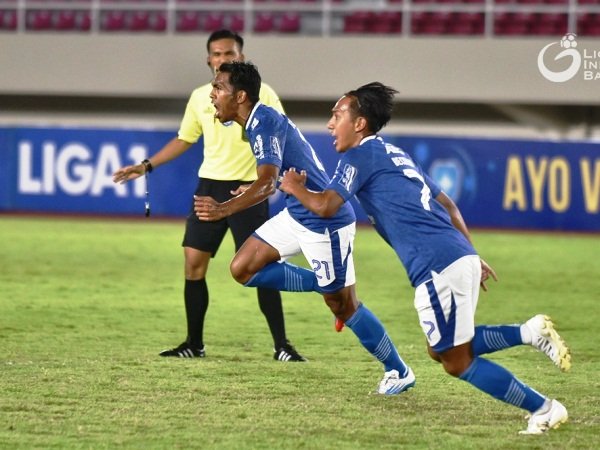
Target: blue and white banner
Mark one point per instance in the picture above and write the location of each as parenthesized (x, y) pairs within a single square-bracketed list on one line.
[(497, 183)]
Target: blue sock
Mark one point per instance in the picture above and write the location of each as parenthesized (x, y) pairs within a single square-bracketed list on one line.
[(498, 382), (489, 338), (374, 338), (285, 277)]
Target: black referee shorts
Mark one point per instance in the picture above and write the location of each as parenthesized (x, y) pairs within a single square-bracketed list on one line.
[(207, 236)]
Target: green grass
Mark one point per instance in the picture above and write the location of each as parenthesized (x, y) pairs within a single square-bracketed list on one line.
[(85, 306)]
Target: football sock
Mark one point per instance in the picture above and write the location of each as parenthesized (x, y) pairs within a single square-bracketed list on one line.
[(498, 382), (196, 303), (269, 301), (372, 335), (490, 338), (284, 276)]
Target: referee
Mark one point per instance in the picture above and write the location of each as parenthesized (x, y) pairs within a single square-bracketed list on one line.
[(228, 166)]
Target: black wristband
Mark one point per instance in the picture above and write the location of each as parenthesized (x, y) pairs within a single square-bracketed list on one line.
[(147, 166)]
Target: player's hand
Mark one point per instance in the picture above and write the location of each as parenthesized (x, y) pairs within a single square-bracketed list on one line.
[(292, 179), (241, 189), (486, 272), (127, 173), (208, 209)]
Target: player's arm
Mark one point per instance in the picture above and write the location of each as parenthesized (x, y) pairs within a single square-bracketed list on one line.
[(324, 204), (458, 221), (170, 151), (207, 208), (455, 215)]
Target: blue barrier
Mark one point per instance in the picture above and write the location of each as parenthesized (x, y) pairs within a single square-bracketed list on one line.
[(497, 183)]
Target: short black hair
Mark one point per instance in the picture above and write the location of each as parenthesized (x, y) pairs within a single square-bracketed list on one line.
[(375, 102), (243, 76), (224, 34)]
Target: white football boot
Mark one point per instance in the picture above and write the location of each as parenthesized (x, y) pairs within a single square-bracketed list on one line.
[(545, 338), (392, 384), (546, 418)]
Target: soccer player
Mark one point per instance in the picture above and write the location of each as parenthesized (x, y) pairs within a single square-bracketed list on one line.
[(325, 242), (228, 166), (429, 235)]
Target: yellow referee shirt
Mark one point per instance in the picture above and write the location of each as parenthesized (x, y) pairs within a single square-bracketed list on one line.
[(226, 155)]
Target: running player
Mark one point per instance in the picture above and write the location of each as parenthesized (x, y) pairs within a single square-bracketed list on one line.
[(326, 243), (429, 235)]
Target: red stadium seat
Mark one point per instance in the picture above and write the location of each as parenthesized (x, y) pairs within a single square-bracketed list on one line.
[(386, 22), (289, 23), (187, 21), (588, 24), (8, 19), (213, 22), (358, 21), (83, 21), (157, 21), (137, 20), (112, 21), (64, 20), (263, 22), (39, 20), (236, 22)]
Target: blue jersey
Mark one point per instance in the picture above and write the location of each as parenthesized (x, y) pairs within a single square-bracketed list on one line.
[(275, 140), (399, 199)]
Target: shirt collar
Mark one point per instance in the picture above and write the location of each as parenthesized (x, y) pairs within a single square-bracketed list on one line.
[(249, 121), (368, 138)]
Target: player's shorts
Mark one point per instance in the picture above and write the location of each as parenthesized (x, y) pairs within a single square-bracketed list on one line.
[(446, 304), (207, 236), (329, 254)]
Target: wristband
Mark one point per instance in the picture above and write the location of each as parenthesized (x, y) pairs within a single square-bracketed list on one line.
[(147, 166)]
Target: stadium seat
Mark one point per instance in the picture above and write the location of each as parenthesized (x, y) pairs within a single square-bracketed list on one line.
[(63, 20), (588, 24), (289, 23), (385, 22), (358, 21), (137, 21), (8, 19), (38, 20), (187, 21), (213, 21), (235, 22), (263, 22), (157, 21), (112, 20), (83, 20)]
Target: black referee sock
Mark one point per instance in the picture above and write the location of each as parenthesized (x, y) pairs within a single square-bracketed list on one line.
[(196, 304), (269, 301)]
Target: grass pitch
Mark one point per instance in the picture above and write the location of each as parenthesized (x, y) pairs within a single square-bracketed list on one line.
[(86, 305)]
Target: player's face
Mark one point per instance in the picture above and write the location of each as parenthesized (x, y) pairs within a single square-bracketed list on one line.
[(221, 51), (342, 125), (223, 98)]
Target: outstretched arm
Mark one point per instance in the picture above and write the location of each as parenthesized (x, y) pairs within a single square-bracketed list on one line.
[(172, 150), (207, 208), (323, 204), (459, 223)]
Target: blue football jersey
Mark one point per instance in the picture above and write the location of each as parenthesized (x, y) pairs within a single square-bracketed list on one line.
[(276, 140), (399, 199)]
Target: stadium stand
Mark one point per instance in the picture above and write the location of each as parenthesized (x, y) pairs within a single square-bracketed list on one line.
[(502, 18)]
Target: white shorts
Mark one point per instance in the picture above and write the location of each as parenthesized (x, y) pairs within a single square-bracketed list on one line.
[(329, 254), (446, 304)]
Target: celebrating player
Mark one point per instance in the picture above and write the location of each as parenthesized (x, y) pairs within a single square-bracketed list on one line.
[(227, 167), (325, 242), (430, 237)]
